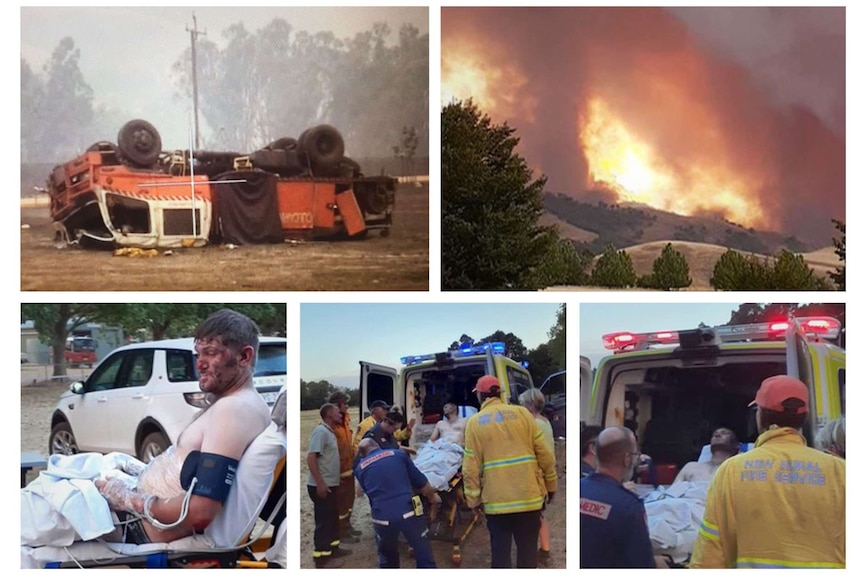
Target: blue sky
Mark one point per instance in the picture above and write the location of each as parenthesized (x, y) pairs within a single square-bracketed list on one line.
[(335, 337), (599, 319)]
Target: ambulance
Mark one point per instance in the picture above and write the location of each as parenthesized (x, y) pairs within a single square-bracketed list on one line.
[(426, 382), (673, 388)]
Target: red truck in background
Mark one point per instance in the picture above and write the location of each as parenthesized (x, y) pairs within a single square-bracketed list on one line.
[(80, 351)]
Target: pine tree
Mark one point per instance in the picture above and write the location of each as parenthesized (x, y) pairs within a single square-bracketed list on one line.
[(669, 271), (614, 269), (491, 237)]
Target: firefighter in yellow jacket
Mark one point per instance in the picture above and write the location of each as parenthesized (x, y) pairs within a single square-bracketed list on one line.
[(346, 493), (782, 503), (509, 473)]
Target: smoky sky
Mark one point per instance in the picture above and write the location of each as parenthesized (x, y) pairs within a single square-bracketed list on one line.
[(760, 91)]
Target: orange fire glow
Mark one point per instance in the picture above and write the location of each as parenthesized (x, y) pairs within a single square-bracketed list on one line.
[(633, 169), (498, 90)]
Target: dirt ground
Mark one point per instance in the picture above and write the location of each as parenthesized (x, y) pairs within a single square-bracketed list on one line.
[(397, 262), (38, 401), (476, 549)]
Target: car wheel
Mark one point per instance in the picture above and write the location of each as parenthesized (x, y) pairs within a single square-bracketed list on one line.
[(62, 440), (139, 143), (153, 445)]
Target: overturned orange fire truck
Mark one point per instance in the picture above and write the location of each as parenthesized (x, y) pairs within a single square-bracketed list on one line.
[(134, 194)]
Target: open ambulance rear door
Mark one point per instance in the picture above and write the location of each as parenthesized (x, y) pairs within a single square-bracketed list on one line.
[(586, 389), (377, 382)]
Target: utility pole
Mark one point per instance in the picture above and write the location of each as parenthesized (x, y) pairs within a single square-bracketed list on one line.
[(194, 36)]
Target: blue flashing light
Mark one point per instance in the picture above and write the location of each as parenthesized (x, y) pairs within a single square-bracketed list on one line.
[(464, 350), (525, 364)]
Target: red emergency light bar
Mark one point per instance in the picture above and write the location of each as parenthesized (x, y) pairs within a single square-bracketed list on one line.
[(624, 339), (822, 326)]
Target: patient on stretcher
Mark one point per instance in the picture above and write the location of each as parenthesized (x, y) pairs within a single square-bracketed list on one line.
[(451, 427)]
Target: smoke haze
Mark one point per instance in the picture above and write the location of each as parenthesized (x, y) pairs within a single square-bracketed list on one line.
[(740, 112)]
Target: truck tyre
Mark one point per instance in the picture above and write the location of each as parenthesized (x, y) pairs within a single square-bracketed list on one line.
[(323, 146), (140, 143)]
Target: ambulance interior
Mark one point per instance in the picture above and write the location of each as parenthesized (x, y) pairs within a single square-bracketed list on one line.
[(429, 389), (674, 409)]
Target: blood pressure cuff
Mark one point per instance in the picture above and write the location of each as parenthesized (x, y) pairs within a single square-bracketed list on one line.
[(215, 474)]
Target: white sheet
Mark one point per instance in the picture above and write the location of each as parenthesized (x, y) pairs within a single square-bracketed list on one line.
[(63, 505), (439, 460), (673, 517)]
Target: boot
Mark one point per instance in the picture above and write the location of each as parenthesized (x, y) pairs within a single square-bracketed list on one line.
[(544, 557)]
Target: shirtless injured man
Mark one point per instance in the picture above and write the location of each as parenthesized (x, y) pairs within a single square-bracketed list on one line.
[(182, 490)]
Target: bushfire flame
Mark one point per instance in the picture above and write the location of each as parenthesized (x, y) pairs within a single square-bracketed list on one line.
[(500, 90), (621, 161)]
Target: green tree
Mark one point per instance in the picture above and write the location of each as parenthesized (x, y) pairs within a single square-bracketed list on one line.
[(314, 394), (789, 272), (563, 265), (840, 244), (167, 320), (491, 206), (32, 112), (557, 339), (669, 271), (734, 272), (56, 107), (515, 347), (70, 113), (614, 269), (540, 363), (54, 322)]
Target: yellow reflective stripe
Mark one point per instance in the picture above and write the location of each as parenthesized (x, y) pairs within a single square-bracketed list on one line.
[(778, 563), (508, 462), (317, 554), (515, 506), (348, 473), (708, 530)]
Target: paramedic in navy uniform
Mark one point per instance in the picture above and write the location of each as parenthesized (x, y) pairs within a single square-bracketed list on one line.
[(389, 478), (613, 519)]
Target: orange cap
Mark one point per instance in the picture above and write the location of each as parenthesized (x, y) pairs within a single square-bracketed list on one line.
[(778, 388), (485, 383)]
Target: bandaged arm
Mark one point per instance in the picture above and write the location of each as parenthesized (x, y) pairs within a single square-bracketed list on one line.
[(222, 437)]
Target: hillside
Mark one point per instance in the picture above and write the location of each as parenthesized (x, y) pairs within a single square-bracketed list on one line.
[(628, 225), (701, 259)]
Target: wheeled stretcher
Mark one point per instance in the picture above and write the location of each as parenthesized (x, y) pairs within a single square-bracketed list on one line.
[(451, 520)]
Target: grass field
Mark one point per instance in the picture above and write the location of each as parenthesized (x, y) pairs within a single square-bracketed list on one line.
[(476, 551)]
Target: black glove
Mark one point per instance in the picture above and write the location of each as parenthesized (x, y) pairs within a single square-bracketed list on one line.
[(550, 496)]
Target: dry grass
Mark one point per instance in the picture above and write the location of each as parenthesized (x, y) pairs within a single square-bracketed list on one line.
[(476, 550), (397, 262), (701, 259)]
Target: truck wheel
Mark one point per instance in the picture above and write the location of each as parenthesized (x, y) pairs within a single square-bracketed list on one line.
[(152, 446), (323, 146), (62, 440), (139, 143)]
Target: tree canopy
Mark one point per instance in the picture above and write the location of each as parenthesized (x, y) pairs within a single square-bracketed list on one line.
[(491, 204), (55, 322)]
